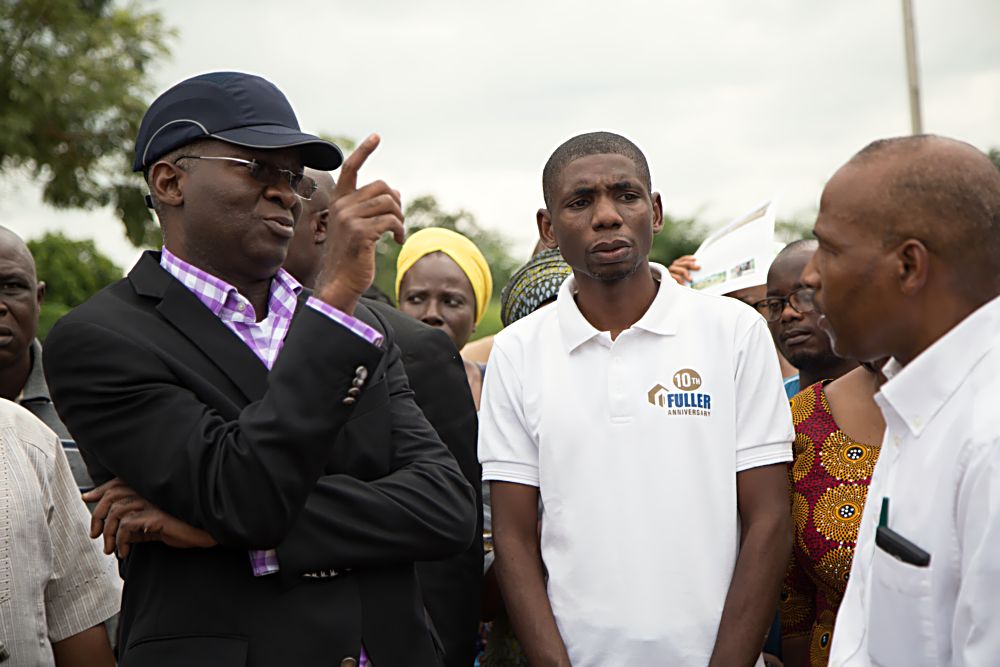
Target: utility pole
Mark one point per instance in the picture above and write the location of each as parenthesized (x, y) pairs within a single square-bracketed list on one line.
[(912, 73)]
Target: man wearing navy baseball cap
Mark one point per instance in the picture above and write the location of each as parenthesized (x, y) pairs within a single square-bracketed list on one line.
[(267, 479)]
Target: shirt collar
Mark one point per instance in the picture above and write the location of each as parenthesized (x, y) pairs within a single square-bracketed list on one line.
[(576, 330), (918, 391), (223, 299), (35, 387)]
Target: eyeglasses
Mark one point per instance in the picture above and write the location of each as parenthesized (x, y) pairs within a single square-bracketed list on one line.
[(802, 300), (267, 174)]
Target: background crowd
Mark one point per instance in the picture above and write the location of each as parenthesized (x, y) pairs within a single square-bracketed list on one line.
[(287, 464)]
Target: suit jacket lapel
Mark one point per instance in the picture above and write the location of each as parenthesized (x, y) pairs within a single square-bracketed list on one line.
[(182, 309)]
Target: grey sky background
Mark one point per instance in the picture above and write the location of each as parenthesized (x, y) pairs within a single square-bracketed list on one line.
[(730, 100)]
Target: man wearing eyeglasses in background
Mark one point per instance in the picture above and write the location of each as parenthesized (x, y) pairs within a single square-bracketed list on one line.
[(794, 323), (264, 446)]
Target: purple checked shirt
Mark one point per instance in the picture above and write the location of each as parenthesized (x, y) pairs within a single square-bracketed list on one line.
[(266, 337)]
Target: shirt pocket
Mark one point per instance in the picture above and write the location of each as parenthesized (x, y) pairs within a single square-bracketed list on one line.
[(901, 621)]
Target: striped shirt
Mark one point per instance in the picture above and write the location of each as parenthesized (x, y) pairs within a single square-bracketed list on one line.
[(55, 581)]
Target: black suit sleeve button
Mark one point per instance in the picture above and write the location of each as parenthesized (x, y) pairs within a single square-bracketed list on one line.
[(348, 662), (349, 400), (354, 391), (358, 382), (361, 373)]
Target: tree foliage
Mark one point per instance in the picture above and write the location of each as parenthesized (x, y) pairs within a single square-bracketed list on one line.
[(994, 154), (74, 78), (679, 236), (72, 270)]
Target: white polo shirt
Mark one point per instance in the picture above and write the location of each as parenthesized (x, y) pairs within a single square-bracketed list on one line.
[(939, 467), (634, 445)]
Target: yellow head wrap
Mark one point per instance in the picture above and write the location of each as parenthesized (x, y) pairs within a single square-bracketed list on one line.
[(459, 248)]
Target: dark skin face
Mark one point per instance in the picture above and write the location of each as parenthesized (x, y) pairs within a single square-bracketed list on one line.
[(217, 217), (438, 293), (857, 279), (306, 247), (21, 297), (603, 219), (797, 335)]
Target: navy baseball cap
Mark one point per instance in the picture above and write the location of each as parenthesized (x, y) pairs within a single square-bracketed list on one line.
[(234, 107)]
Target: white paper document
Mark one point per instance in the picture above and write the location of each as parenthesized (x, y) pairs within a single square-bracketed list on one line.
[(738, 255)]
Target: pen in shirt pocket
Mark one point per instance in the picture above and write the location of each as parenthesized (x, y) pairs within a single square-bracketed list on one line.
[(895, 544)]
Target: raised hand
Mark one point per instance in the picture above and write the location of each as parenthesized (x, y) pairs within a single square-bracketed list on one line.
[(358, 219), (680, 269)]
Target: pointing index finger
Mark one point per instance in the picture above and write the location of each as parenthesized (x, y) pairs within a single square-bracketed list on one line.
[(348, 180)]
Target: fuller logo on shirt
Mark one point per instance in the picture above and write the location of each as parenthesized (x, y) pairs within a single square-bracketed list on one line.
[(687, 400)]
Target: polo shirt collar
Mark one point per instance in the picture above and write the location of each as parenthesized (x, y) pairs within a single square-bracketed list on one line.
[(576, 330), (35, 388), (919, 390)]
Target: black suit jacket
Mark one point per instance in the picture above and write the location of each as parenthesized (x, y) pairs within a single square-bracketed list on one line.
[(160, 393), (451, 588)]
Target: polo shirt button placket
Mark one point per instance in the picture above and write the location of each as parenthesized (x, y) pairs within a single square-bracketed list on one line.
[(617, 398)]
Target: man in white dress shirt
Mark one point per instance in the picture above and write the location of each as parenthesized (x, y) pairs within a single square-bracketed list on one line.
[(908, 266)]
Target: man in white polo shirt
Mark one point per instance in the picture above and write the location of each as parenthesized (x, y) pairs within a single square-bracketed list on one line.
[(908, 266), (651, 421)]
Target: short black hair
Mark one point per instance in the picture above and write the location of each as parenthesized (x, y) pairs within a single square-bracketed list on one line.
[(809, 245), (798, 244), (591, 143), (196, 147), (944, 192)]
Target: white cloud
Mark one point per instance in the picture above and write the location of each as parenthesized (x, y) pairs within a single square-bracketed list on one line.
[(730, 100)]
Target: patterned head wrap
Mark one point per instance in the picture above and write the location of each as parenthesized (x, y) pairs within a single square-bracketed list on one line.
[(463, 251), (534, 284)]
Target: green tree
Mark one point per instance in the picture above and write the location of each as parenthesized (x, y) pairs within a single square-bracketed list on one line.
[(74, 79), (679, 236), (787, 230), (72, 271), (994, 154)]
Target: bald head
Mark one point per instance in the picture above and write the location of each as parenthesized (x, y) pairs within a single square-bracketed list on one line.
[(942, 192), (792, 259), (909, 245), (14, 249), (306, 246), (21, 297), (321, 198)]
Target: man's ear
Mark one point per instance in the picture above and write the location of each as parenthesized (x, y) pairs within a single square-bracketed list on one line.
[(913, 263), (40, 292), (320, 221), (657, 213), (545, 231), (166, 183)]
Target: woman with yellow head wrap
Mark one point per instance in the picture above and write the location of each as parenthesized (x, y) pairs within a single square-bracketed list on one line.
[(443, 280), (462, 252)]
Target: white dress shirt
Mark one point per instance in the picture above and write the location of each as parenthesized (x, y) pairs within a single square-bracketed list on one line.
[(940, 469)]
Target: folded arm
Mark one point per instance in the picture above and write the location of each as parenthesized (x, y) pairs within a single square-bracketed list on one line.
[(243, 479)]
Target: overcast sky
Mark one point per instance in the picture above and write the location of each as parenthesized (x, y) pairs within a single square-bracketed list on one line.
[(730, 100)]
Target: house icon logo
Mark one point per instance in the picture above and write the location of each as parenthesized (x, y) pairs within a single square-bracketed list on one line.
[(689, 400), (658, 395)]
